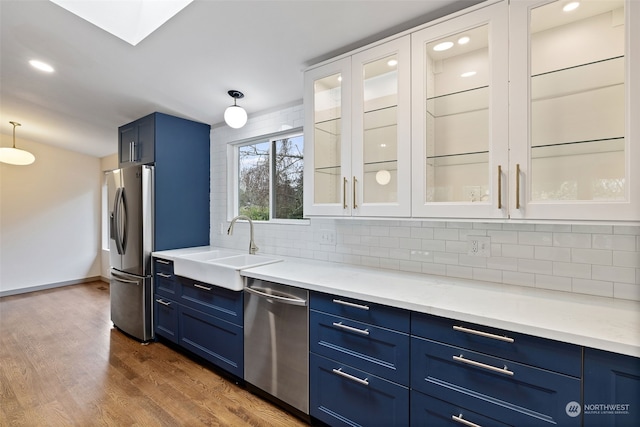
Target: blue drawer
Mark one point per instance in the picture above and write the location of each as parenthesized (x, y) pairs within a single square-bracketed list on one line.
[(343, 396), (217, 341), (214, 300), (511, 392), (380, 351), (164, 281), (543, 353), (374, 314), (165, 314), (429, 411)]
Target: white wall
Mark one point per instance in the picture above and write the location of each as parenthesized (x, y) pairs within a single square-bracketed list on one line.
[(49, 219), (579, 258)]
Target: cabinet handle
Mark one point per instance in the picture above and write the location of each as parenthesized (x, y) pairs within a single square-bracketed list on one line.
[(504, 370), (351, 377), (206, 288), (135, 154), (159, 301), (518, 186), (355, 203), (499, 186), (344, 192), (351, 304), (166, 276), (163, 261), (483, 334), (459, 419), (351, 328)]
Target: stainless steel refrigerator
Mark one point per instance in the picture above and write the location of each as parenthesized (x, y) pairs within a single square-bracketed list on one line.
[(130, 194)]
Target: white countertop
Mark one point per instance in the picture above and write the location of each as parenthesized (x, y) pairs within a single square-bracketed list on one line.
[(598, 322)]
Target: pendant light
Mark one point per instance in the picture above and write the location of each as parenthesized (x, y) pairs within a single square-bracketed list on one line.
[(235, 116), (13, 155)]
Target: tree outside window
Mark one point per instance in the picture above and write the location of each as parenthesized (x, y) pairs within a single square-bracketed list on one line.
[(270, 178)]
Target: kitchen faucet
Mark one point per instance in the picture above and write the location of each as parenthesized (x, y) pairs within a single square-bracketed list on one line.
[(252, 246)]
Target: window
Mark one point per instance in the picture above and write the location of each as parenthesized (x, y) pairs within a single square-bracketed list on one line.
[(268, 178)]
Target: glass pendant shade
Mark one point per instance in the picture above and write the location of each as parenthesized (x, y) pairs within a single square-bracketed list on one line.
[(235, 116), (15, 156)]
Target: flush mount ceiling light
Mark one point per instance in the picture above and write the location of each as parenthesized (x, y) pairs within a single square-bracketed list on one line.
[(392, 62), (571, 6), (130, 20), (234, 115), (463, 40), (13, 155), (42, 66), (468, 74)]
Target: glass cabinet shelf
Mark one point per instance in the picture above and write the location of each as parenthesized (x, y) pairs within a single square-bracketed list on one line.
[(578, 148), (465, 101)]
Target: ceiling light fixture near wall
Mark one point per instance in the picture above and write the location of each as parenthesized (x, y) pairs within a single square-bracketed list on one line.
[(13, 155), (235, 116), (42, 66), (571, 6)]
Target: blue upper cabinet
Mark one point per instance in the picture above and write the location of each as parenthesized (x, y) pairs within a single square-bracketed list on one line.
[(611, 389), (180, 151)]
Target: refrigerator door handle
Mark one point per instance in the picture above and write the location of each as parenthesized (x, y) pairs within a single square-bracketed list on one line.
[(115, 221), (119, 278), (120, 214)]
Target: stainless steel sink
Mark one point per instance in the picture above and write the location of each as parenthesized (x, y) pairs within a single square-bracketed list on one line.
[(219, 267)]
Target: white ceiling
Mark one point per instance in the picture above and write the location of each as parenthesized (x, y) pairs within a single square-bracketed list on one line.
[(184, 68)]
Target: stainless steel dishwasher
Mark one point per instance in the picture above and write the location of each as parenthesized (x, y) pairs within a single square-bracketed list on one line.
[(276, 342)]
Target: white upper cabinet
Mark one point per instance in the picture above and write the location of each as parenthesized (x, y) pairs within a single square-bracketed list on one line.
[(358, 153), (327, 145), (460, 116), (574, 110)]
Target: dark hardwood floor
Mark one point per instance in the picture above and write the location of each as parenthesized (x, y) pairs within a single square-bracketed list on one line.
[(63, 364)]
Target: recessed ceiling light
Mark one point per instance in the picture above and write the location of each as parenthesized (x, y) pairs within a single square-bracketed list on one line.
[(443, 46), (571, 6), (42, 66), (468, 74), (339, 77), (392, 62), (463, 40)]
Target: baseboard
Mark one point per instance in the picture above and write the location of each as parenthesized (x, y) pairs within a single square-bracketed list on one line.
[(51, 286)]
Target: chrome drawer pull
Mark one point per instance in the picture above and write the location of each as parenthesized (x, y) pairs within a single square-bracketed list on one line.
[(504, 370), (166, 276), (483, 334), (459, 419), (162, 261), (163, 302), (206, 288), (351, 377), (350, 304), (351, 328)]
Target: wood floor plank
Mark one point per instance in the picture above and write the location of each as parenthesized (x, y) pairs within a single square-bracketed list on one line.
[(63, 364)]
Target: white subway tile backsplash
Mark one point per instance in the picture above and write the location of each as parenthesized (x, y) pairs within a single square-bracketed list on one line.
[(552, 253), (615, 274), (572, 240), (592, 287), (581, 258), (591, 256)]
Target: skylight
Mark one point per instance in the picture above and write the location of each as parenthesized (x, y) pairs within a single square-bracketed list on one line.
[(130, 20)]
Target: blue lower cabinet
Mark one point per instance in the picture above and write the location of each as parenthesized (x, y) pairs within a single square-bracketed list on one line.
[(611, 389), (508, 391), (344, 396), (216, 340), (429, 411), (165, 318)]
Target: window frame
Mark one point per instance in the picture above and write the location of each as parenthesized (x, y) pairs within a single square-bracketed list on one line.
[(233, 171)]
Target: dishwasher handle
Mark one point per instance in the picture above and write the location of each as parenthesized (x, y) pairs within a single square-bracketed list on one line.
[(284, 300)]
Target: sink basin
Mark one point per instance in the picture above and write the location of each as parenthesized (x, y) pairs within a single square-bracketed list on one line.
[(219, 267)]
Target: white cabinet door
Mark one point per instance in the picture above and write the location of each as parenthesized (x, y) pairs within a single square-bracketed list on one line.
[(381, 131), (460, 116), (327, 147), (574, 114)]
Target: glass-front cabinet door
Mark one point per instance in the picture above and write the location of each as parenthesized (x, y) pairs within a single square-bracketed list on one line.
[(575, 119), (381, 132), (327, 148), (460, 116)]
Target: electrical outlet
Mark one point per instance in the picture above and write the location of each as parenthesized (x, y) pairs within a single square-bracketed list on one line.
[(479, 246), (327, 237)]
